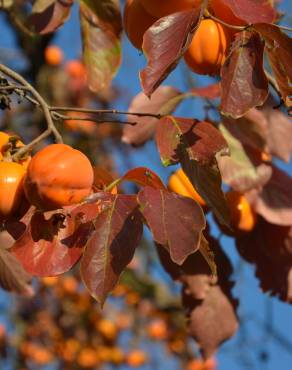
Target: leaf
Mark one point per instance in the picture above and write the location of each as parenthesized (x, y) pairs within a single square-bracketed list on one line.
[(237, 170), (12, 275), (117, 233), (47, 19), (274, 200), (244, 84), (279, 50), (144, 177), (53, 241), (209, 92), (208, 256), (160, 103), (196, 145), (101, 47), (164, 43), (102, 178), (176, 222), (269, 248), (212, 321), (251, 11)]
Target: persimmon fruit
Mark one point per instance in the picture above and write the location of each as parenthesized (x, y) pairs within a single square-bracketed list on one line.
[(86, 127), (208, 49), (243, 217), (57, 176), (137, 21), (11, 187), (53, 55), (180, 184), (136, 358), (163, 8), (75, 68)]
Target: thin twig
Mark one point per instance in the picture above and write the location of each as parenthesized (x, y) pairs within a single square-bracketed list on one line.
[(104, 111), (90, 119), (44, 106), (239, 28), (24, 149)]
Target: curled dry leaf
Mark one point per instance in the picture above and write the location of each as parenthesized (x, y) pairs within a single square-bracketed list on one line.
[(48, 16), (163, 101)]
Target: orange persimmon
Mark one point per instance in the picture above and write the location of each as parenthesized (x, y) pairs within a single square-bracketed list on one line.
[(137, 21), (53, 55), (180, 184), (136, 358), (243, 217), (163, 8), (208, 49), (58, 175), (11, 187)]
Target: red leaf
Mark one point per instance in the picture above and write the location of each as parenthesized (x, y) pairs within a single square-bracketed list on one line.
[(251, 11), (12, 275), (176, 222), (164, 44), (163, 101), (244, 84), (144, 177), (51, 17), (279, 50), (269, 247), (196, 145), (53, 242), (208, 92), (212, 321), (274, 201), (118, 231)]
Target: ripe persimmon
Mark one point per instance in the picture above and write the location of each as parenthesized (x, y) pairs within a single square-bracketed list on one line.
[(87, 358), (208, 49), (107, 329), (158, 329), (136, 21), (163, 8), (179, 183), (53, 55), (75, 68), (57, 176), (243, 217), (11, 187), (223, 12), (136, 358)]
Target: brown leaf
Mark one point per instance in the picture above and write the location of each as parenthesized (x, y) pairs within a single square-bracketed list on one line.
[(244, 84), (279, 50), (48, 17), (274, 201), (101, 47), (269, 247), (164, 44), (162, 102), (209, 92), (118, 230), (212, 321), (12, 275), (196, 145), (176, 222), (237, 170)]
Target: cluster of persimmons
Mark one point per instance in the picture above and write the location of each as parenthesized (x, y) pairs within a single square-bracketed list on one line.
[(210, 44), (63, 327)]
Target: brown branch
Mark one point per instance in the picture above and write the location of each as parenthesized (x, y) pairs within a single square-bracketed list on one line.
[(36, 96), (211, 16)]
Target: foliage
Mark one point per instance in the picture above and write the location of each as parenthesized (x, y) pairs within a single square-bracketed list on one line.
[(102, 230)]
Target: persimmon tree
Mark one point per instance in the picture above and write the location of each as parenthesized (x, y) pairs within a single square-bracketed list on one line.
[(251, 55)]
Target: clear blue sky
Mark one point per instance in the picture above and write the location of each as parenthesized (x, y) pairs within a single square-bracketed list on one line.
[(258, 312)]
